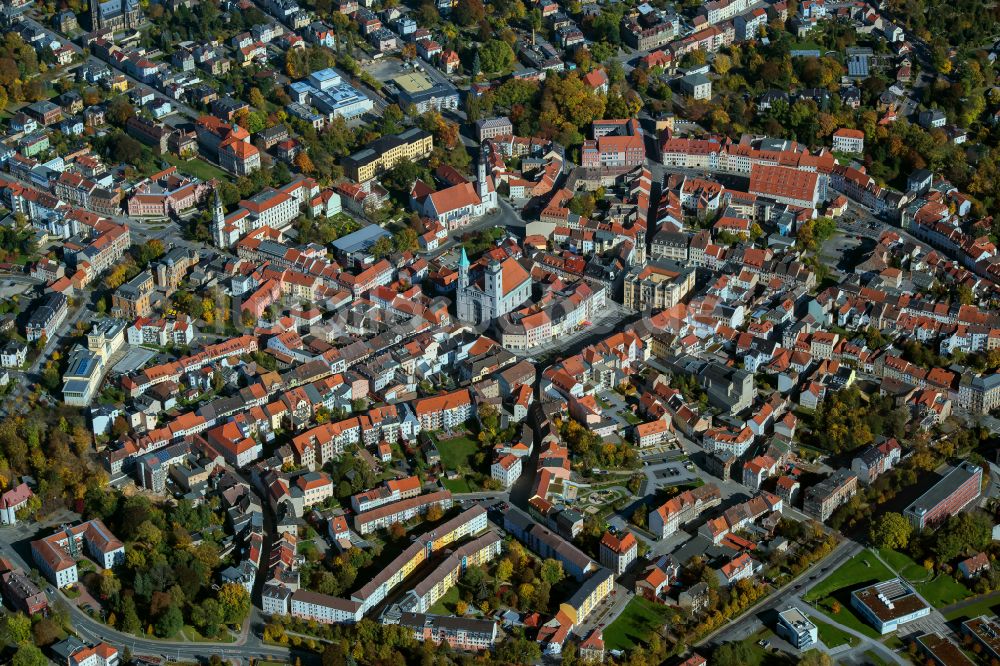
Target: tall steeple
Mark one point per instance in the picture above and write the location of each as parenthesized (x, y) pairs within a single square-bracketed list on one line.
[(463, 270), (481, 183), (219, 222)]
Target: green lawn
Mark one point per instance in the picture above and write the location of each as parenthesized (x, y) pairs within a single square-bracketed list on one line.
[(904, 565), (832, 636), (938, 592), (862, 568), (459, 485), (630, 417), (446, 604), (872, 657), (893, 642), (807, 45), (456, 453), (635, 625), (847, 616), (943, 591), (761, 656), (196, 167)]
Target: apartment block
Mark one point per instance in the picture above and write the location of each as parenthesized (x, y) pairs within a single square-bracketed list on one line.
[(823, 499), (618, 551), (132, 300), (657, 285), (459, 632), (399, 512), (47, 317), (683, 508), (56, 555), (386, 152)]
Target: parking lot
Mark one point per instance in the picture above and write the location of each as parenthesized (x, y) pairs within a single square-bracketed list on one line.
[(386, 69), (660, 455)]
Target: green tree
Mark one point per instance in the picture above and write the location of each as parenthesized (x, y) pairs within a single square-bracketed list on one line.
[(470, 12), (640, 516), (207, 616), (170, 622), (120, 110), (29, 655), (504, 570), (17, 627), (962, 533), (495, 56), (234, 599), (552, 571), (890, 530), (733, 654), (382, 247), (130, 622)]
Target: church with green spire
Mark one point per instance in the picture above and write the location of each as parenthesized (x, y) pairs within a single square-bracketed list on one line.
[(490, 288)]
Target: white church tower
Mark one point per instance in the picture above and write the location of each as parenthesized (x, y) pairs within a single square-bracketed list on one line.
[(487, 194), (219, 223), (463, 302), (494, 286)]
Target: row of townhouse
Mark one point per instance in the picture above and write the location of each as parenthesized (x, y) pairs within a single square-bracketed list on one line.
[(602, 365), (315, 447), (740, 516), (161, 332), (685, 507), (460, 633), (392, 490), (140, 382), (726, 156)]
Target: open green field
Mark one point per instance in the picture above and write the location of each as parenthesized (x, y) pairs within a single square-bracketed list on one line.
[(874, 659), (943, 591), (904, 565), (197, 168), (456, 453), (807, 45), (459, 485), (938, 592), (832, 636), (190, 634), (862, 568), (635, 625)]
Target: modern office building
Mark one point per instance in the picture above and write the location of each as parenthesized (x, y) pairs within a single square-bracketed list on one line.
[(960, 487), (889, 605), (797, 629)]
